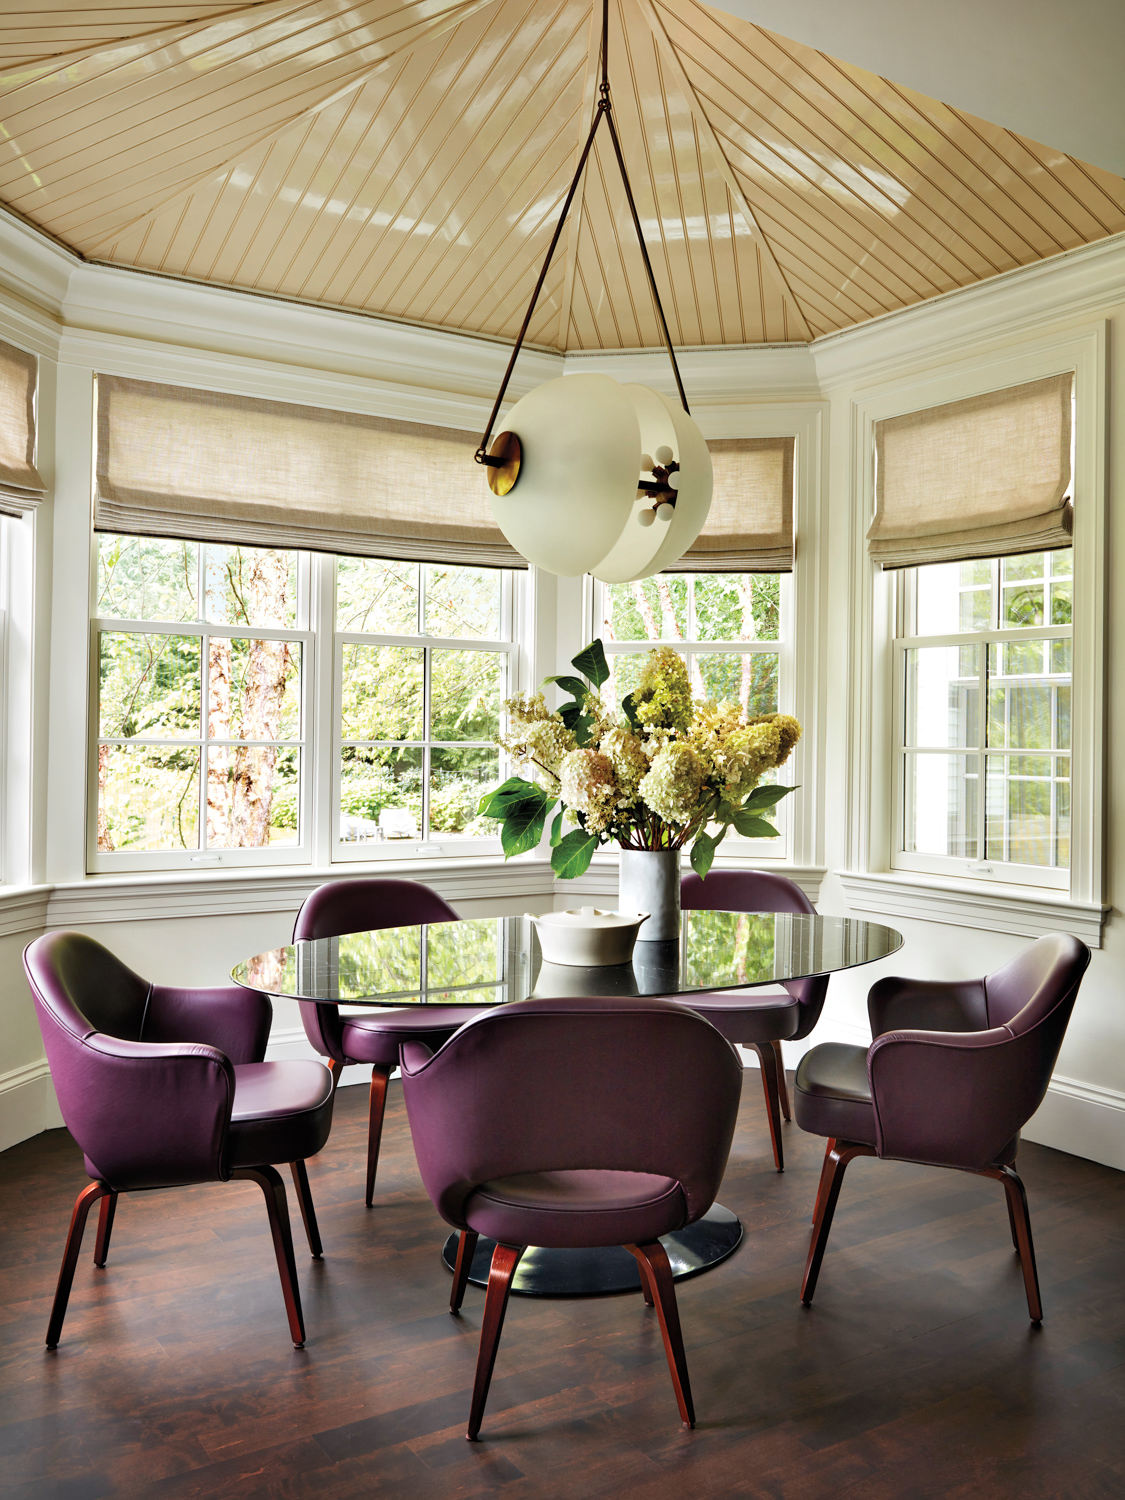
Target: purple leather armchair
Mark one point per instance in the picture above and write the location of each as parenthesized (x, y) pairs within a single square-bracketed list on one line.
[(342, 906), (761, 1019), (954, 1073), (163, 1087), (568, 1123)]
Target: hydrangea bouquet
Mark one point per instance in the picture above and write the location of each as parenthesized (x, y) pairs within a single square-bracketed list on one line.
[(665, 772)]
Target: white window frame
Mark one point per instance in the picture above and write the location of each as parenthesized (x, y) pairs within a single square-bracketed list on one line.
[(508, 645), (299, 852), (870, 878), (1049, 877), (800, 818)]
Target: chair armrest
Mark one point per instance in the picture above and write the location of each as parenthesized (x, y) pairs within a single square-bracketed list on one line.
[(232, 1018), (151, 1114), (413, 1057), (952, 1099), (927, 1005)]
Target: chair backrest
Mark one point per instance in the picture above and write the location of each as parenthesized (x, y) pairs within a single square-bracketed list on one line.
[(146, 1113), (963, 1101), (760, 890), (629, 1085), (341, 906)]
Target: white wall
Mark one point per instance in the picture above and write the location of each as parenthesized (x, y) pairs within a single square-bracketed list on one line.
[(191, 928)]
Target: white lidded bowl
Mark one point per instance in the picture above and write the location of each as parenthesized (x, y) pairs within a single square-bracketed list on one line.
[(588, 937)]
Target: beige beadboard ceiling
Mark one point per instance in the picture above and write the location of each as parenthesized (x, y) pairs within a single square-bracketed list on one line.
[(410, 160)]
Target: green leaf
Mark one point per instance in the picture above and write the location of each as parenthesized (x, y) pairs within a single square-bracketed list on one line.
[(592, 663), (703, 854), (570, 713), (750, 826), (629, 709), (523, 828), (582, 726), (766, 796), (556, 828), (573, 855), (503, 799), (572, 685)]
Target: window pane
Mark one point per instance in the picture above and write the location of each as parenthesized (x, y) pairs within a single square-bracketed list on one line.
[(650, 609), (148, 797), (250, 586), (466, 688), (253, 689), (942, 695), (749, 679), (1028, 810), (624, 676), (458, 780), (1062, 601), (737, 606), (463, 602), (942, 809), (149, 685), (954, 597), (252, 796), (376, 597), (382, 693), (380, 794), (142, 578), (1020, 710)]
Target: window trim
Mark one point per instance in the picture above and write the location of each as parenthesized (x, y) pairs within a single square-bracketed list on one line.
[(871, 725)]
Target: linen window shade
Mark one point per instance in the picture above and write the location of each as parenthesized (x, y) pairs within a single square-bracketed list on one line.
[(209, 466), (977, 478), (750, 525), (21, 488)]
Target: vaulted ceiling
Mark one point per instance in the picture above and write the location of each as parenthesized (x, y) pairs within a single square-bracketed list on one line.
[(409, 158)]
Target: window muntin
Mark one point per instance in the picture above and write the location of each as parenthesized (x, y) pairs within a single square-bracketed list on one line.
[(984, 745), (424, 659), (730, 628), (198, 688)]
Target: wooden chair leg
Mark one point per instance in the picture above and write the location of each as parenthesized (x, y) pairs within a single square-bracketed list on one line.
[(105, 1229), (336, 1069), (1021, 1224), (654, 1263), (273, 1190), (466, 1249), (505, 1259), (773, 1102), (376, 1107), (1012, 1221), (782, 1086), (305, 1204), (825, 1177), (836, 1159), (82, 1206), (646, 1282)]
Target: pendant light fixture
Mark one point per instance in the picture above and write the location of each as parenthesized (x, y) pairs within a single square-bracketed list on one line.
[(591, 476)]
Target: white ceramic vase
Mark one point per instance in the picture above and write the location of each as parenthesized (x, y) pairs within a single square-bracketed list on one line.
[(650, 881)]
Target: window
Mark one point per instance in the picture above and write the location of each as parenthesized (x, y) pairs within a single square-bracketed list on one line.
[(424, 659), (199, 662), (983, 674), (732, 628), (207, 727)]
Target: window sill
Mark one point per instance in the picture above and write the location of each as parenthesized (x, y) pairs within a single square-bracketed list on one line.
[(601, 878), (994, 908)]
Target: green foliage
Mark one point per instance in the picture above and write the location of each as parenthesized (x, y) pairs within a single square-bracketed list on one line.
[(592, 664), (572, 856)]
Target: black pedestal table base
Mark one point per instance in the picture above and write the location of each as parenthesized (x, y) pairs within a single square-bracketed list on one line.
[(589, 1273)]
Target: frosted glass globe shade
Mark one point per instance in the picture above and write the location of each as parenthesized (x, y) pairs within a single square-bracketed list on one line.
[(581, 447)]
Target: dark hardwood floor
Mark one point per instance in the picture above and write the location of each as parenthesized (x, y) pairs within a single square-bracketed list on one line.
[(915, 1373)]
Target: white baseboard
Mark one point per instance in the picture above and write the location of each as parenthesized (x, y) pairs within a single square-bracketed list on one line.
[(1082, 1119), (27, 1103)]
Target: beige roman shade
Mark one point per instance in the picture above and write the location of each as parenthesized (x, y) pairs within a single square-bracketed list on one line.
[(21, 488), (750, 525), (207, 466), (975, 478)]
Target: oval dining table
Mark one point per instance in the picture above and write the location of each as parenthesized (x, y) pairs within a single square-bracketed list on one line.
[(496, 960)]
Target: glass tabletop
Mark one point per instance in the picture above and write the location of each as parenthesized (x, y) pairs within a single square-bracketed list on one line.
[(494, 960)]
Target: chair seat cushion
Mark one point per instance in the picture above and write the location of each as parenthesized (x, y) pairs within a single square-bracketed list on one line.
[(282, 1112), (376, 1038), (576, 1209), (749, 1015), (832, 1095)]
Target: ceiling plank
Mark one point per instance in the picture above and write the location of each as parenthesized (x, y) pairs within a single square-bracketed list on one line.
[(574, 226), (671, 57)]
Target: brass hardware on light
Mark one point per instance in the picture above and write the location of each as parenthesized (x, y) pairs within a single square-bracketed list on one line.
[(503, 463)]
